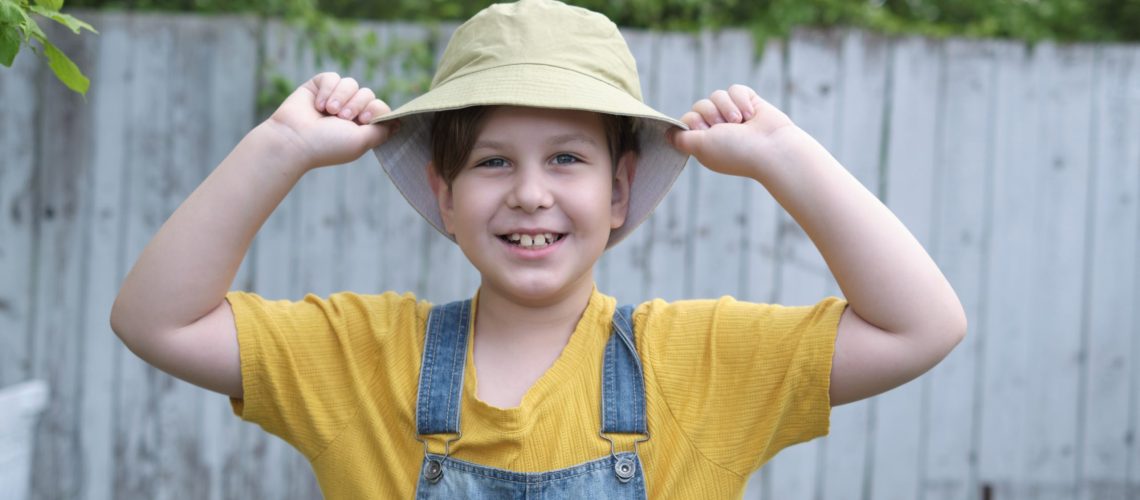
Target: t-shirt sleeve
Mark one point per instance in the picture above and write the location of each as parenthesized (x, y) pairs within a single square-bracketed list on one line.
[(742, 380), (306, 365)]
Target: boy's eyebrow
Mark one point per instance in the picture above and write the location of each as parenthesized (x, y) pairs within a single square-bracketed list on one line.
[(572, 137), (557, 140)]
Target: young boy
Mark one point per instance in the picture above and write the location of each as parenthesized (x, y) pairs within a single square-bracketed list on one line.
[(534, 153)]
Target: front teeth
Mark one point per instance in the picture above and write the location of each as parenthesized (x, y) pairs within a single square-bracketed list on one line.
[(532, 241)]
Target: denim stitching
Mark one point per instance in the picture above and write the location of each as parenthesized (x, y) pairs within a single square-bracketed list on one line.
[(424, 404), (602, 463)]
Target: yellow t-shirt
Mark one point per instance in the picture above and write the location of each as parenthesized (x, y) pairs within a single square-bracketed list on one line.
[(728, 384)]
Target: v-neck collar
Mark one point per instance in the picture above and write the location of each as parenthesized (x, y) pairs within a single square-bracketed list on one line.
[(578, 351)]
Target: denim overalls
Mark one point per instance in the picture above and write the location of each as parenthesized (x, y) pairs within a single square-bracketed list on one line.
[(617, 476)]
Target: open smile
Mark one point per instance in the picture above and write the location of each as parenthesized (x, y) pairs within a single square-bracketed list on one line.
[(531, 241)]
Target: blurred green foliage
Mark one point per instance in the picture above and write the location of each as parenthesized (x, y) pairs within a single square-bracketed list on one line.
[(19, 25), (329, 26), (1031, 20)]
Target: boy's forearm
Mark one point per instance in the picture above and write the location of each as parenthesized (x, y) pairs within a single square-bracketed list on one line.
[(887, 277), (189, 265)]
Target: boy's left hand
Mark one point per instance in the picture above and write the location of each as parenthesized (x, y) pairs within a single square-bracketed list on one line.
[(733, 132)]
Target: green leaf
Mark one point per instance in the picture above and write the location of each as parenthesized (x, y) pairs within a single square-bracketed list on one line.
[(9, 44), (71, 22), (53, 5), (10, 12), (65, 70)]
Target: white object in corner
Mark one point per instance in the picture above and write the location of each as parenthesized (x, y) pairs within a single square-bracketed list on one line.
[(20, 407)]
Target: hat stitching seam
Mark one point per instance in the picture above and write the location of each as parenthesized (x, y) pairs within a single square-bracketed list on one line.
[(538, 64)]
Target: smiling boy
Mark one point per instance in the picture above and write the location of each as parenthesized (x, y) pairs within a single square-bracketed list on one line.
[(534, 153)]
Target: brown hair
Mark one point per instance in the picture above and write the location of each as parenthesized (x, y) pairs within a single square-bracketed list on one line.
[(453, 134)]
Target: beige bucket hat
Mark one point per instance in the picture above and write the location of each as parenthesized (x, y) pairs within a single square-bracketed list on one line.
[(536, 53)]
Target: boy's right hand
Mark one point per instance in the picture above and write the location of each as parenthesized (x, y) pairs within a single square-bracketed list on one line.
[(325, 121)]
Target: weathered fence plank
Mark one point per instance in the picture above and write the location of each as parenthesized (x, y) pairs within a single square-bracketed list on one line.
[(108, 97), (958, 243), (1111, 296), (1060, 263), (18, 191), (1003, 322), (60, 219)]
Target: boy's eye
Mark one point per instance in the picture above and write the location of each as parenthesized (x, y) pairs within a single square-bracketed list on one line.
[(565, 158), (493, 162)]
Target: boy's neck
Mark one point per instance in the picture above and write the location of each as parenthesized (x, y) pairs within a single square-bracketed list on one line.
[(532, 324)]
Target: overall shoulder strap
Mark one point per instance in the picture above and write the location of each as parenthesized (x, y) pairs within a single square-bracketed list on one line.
[(441, 372), (623, 385)]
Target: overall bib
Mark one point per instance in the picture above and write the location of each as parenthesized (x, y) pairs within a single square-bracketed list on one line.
[(617, 476)]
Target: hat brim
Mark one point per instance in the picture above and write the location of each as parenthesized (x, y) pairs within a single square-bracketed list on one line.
[(405, 155)]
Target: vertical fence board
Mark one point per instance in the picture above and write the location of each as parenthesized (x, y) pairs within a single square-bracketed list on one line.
[(813, 74), (858, 146), (108, 95), (56, 343), (1132, 83), (1059, 267), (963, 145), (18, 109), (1111, 295), (1004, 320)]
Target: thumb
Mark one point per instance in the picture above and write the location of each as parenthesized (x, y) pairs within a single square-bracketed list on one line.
[(687, 141), (379, 133)]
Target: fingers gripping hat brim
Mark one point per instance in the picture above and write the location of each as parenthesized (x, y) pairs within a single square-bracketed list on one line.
[(565, 81)]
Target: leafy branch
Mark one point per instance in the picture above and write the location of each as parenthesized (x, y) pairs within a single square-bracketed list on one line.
[(340, 40), (18, 27)]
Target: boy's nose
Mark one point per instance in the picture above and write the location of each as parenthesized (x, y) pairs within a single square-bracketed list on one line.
[(530, 191)]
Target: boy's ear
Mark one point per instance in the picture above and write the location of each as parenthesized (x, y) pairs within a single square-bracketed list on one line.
[(623, 181), (442, 194)]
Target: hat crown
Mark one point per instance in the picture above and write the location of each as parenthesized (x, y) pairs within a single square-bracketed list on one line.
[(540, 32)]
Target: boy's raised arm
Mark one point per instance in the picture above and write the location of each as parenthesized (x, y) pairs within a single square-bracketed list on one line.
[(171, 309), (903, 316)]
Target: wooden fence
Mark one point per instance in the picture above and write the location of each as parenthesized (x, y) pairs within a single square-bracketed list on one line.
[(1017, 167)]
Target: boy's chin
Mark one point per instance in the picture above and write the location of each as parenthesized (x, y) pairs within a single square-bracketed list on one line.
[(534, 291)]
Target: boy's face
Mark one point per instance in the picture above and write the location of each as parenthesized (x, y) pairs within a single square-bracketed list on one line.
[(533, 206)]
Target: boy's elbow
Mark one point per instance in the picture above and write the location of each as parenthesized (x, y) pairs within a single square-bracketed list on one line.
[(955, 326), (120, 320), (116, 319)]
